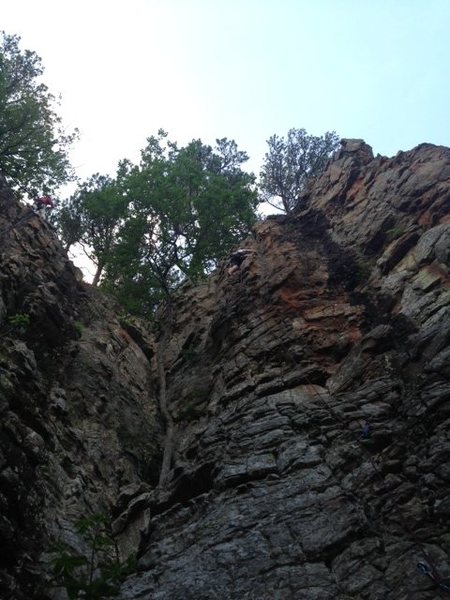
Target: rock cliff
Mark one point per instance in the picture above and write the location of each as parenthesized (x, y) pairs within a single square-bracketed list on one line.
[(283, 434), (78, 417)]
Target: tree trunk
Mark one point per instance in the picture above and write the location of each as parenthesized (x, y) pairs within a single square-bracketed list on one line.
[(98, 274)]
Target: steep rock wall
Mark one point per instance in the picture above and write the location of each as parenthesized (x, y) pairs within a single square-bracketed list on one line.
[(309, 400), (284, 435), (78, 428)]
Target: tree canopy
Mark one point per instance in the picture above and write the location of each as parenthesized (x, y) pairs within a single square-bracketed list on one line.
[(291, 162), (33, 144), (167, 219), (92, 217)]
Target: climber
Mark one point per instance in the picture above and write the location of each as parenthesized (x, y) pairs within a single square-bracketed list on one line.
[(237, 258), (42, 204), (366, 431), (425, 569)]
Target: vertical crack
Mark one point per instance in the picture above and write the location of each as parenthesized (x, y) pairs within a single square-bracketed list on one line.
[(163, 407)]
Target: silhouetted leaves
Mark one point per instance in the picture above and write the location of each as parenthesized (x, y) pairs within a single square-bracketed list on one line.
[(33, 144), (291, 162)]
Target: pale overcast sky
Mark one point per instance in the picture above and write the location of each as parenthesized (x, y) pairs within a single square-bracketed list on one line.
[(242, 69)]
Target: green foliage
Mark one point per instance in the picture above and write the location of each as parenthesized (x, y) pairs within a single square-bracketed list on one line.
[(291, 162), (394, 233), (187, 207), (67, 220), (363, 272), (19, 320), (100, 574), (168, 219), (33, 144), (92, 217), (78, 326)]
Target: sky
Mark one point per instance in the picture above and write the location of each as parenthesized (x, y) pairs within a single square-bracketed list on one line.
[(241, 69)]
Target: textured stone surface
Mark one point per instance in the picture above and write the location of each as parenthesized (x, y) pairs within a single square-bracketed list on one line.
[(339, 319), (77, 412), (307, 398)]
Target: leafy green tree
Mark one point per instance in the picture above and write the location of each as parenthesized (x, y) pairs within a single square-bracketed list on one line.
[(67, 221), (33, 144), (167, 219), (91, 218), (291, 162), (187, 207)]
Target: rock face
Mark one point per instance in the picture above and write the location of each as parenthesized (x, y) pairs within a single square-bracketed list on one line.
[(78, 424), (301, 434)]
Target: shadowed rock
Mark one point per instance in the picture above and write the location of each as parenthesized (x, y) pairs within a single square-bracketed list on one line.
[(307, 398)]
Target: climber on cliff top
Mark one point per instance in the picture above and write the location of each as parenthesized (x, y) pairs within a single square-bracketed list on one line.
[(237, 258)]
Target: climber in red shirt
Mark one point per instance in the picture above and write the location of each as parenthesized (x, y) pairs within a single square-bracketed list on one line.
[(44, 201), (42, 204)]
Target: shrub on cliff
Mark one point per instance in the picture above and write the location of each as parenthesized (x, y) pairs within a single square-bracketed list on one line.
[(291, 162), (97, 575)]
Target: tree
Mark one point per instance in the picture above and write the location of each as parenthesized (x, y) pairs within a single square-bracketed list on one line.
[(67, 221), (170, 218), (291, 162), (33, 144), (187, 207), (92, 217)]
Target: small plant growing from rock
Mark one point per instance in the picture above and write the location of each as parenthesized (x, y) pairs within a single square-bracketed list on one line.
[(19, 321), (79, 327), (394, 233), (97, 575), (362, 272)]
